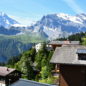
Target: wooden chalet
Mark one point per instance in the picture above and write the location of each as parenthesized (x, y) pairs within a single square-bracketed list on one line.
[(55, 44), (72, 65), (8, 76)]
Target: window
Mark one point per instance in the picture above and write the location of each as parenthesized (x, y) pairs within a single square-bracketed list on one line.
[(82, 56), (2, 79)]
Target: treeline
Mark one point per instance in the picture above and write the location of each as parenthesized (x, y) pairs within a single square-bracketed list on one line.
[(34, 65), (75, 37)]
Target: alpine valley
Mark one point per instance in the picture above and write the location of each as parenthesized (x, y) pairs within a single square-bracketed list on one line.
[(16, 38)]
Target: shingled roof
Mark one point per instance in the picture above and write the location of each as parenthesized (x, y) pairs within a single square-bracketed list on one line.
[(68, 55), (5, 71)]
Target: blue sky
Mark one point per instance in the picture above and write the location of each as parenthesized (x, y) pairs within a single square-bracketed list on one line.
[(26, 11)]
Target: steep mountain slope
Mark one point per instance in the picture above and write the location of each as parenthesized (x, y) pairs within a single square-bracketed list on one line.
[(10, 48), (11, 31), (6, 21)]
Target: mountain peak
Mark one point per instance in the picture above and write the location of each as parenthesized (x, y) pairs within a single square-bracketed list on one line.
[(6, 21)]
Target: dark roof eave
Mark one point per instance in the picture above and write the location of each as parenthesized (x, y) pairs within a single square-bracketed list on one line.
[(2, 76), (68, 64)]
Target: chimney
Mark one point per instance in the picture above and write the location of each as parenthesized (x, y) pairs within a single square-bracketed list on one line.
[(7, 69)]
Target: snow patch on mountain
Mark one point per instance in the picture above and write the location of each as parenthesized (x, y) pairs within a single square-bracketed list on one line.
[(74, 19)]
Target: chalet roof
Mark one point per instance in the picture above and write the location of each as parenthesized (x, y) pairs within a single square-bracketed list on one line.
[(65, 42), (23, 82), (68, 55), (5, 71)]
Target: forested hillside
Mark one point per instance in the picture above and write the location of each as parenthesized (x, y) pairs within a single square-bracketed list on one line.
[(34, 65)]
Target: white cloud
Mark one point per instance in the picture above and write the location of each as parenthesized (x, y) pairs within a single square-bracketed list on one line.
[(75, 7), (23, 21)]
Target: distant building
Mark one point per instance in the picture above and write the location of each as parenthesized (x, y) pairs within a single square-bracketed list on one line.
[(8, 76), (38, 46), (55, 44), (72, 65)]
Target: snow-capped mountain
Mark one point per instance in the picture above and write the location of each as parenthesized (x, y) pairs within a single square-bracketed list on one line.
[(61, 25), (6, 21), (52, 26)]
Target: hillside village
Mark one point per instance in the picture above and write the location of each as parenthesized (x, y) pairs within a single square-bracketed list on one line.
[(42, 42), (68, 59), (48, 64)]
